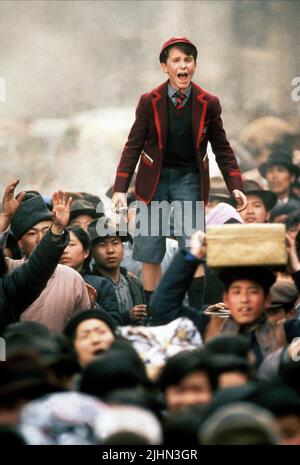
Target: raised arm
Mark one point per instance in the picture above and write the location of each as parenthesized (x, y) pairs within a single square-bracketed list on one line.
[(166, 303), (24, 284)]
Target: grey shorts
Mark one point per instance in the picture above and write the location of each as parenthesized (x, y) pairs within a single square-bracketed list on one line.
[(175, 211)]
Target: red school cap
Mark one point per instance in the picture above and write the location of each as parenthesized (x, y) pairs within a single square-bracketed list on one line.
[(176, 40)]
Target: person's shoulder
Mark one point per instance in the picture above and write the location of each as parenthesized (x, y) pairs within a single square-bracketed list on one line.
[(63, 271), (96, 280), (129, 275)]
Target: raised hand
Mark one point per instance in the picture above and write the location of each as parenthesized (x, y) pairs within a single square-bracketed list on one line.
[(198, 244), (10, 204), (61, 206)]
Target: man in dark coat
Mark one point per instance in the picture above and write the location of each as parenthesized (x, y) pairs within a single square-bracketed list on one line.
[(21, 287)]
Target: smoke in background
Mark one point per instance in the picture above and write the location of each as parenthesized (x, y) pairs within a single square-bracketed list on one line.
[(74, 71)]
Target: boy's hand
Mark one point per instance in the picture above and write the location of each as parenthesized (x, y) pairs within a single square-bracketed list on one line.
[(60, 211), (241, 200), (118, 202), (10, 204)]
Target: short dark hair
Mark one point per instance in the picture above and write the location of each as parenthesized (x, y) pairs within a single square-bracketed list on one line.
[(263, 276), (185, 48), (184, 364), (85, 241)]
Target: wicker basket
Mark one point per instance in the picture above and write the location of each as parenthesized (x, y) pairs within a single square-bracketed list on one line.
[(246, 245)]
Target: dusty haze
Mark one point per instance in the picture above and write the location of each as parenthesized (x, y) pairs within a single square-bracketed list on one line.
[(74, 71)]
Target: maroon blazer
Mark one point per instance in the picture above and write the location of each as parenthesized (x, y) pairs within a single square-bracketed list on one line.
[(147, 142)]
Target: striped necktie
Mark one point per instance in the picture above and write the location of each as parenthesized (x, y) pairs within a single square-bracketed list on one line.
[(180, 97)]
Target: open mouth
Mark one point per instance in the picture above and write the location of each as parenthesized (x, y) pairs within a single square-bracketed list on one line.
[(98, 352), (182, 76), (245, 311)]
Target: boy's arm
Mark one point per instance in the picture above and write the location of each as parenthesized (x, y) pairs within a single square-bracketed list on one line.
[(133, 148), (224, 155), (26, 282)]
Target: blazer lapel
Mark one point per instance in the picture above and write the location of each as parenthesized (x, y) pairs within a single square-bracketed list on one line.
[(199, 107), (159, 104)]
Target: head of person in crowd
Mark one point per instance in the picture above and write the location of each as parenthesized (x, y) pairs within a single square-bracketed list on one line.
[(31, 222), (92, 332), (95, 201), (54, 351), (276, 397), (284, 295), (292, 223), (183, 428), (247, 292), (231, 370), (77, 254), (239, 424), (107, 244), (280, 172), (83, 213), (22, 378), (188, 378), (283, 402), (128, 425), (119, 366), (259, 203), (218, 193), (233, 346), (281, 212), (140, 396)]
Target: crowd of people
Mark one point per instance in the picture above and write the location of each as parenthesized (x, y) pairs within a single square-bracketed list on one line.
[(117, 339), (80, 336)]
